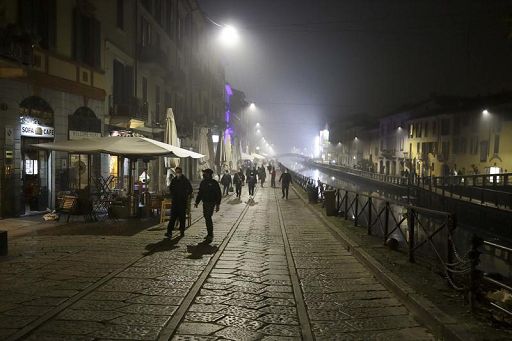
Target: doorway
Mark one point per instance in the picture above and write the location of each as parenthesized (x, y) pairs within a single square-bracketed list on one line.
[(35, 175)]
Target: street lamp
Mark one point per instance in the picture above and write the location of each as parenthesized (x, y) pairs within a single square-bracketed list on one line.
[(229, 36), (485, 112), (252, 106)]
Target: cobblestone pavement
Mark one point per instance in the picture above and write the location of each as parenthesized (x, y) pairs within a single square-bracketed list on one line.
[(273, 272)]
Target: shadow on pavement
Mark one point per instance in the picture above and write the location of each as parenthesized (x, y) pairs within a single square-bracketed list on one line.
[(235, 201), (251, 202), (165, 244), (201, 249), (122, 227)]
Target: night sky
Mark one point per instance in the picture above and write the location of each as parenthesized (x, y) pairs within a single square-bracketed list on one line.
[(305, 63)]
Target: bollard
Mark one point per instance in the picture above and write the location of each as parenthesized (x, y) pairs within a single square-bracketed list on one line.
[(312, 194), (3, 243), (330, 202)]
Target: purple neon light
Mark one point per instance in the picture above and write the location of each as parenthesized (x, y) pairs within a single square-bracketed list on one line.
[(229, 91)]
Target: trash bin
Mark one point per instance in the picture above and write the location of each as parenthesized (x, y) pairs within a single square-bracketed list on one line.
[(3, 243), (312, 194), (330, 202)]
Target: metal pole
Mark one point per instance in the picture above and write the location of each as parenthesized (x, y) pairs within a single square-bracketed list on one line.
[(386, 222), (410, 221), (369, 216), (356, 209)]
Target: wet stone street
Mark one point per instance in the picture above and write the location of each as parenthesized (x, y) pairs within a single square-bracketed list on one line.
[(273, 272)]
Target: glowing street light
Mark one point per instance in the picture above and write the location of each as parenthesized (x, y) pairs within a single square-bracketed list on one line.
[(485, 112), (252, 106), (229, 36)]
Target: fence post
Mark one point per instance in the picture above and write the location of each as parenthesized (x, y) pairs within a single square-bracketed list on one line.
[(452, 225), (356, 209), (386, 222), (369, 216), (346, 205), (474, 275), (410, 223)]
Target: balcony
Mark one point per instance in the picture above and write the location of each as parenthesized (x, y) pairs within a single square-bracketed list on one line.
[(133, 107), (154, 57), (16, 46)]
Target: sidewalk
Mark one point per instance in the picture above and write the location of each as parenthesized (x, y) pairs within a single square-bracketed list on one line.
[(274, 272)]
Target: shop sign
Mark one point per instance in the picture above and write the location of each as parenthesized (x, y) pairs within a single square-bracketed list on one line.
[(77, 135), (36, 130)]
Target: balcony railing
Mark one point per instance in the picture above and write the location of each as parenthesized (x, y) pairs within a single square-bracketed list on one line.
[(133, 107), (154, 55)]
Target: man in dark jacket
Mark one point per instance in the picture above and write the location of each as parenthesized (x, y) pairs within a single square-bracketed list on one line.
[(180, 189), (209, 193), (262, 174), (285, 179), (226, 182), (238, 180), (251, 182)]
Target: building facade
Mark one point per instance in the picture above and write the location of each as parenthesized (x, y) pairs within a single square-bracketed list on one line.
[(78, 68)]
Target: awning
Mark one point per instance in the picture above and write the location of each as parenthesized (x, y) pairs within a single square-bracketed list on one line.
[(121, 146)]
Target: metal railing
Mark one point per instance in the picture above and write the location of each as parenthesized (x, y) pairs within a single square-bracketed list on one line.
[(458, 187), (424, 234), (391, 179), (481, 282)]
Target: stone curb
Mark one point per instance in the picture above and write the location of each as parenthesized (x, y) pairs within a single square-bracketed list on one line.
[(441, 324)]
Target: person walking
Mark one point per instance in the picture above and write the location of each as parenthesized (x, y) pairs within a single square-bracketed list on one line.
[(251, 182), (209, 193), (262, 174), (273, 177), (181, 190), (238, 180), (285, 179), (226, 182)]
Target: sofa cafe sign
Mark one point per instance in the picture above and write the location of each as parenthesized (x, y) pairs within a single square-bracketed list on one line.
[(36, 130)]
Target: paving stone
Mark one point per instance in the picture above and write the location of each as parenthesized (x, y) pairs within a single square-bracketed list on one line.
[(88, 315), (193, 338), (198, 328), (279, 319), (241, 312), (202, 317), (127, 332), (281, 330), (164, 300), (246, 303), (71, 327), (236, 333), (236, 321), (211, 299), (141, 320), (150, 309), (206, 308), (27, 310), (98, 305)]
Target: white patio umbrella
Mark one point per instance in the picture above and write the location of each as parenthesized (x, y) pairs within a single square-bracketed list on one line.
[(170, 137), (131, 147)]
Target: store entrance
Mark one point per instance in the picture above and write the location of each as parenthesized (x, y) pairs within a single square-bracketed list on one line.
[(35, 175)]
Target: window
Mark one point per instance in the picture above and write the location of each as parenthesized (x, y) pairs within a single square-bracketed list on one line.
[(87, 39), (148, 5), (169, 15), (425, 126), (123, 83), (455, 145), (434, 128), (484, 150), (157, 104), (38, 18), (463, 145), (144, 90), (445, 127), (158, 11), (446, 150), (145, 33), (474, 145), (456, 125), (496, 144), (418, 148), (120, 14)]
